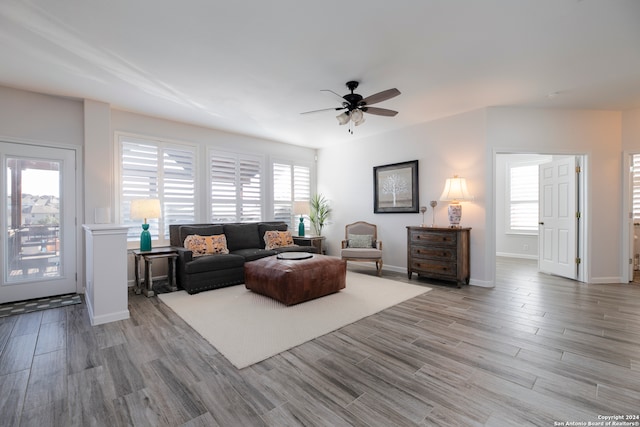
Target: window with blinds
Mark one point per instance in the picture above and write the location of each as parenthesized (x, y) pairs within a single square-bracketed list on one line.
[(290, 183), (152, 169), (236, 187), (636, 188), (523, 198)]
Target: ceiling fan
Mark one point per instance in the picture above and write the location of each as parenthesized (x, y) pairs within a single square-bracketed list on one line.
[(355, 105)]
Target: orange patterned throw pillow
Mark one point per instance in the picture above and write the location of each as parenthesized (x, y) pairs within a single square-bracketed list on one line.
[(206, 245), (277, 239), (217, 244)]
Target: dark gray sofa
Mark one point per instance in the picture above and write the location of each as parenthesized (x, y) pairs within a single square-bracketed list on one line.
[(245, 242)]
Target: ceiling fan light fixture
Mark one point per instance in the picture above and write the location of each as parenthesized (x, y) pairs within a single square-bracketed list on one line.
[(343, 118), (359, 122), (357, 116)]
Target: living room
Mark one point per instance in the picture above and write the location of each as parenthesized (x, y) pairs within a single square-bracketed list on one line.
[(461, 138)]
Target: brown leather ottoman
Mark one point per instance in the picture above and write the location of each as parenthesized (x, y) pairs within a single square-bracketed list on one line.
[(295, 281)]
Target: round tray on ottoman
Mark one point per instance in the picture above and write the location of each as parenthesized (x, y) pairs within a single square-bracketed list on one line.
[(295, 281), (294, 255)]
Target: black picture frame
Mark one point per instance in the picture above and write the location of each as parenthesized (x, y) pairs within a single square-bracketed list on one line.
[(395, 188)]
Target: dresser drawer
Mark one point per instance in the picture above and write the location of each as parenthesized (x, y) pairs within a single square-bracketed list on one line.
[(439, 253), (444, 253), (434, 237), (434, 267)]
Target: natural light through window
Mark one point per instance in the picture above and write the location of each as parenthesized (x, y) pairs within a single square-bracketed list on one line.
[(523, 198)]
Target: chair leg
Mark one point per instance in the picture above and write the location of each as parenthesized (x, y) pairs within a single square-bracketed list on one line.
[(379, 267)]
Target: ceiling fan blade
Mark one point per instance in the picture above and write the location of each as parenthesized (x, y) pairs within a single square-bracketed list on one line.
[(324, 109), (336, 94), (380, 111), (381, 96)]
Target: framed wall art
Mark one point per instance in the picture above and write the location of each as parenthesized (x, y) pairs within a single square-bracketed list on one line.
[(395, 188)]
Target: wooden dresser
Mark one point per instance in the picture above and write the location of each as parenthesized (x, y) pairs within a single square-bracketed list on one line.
[(439, 253)]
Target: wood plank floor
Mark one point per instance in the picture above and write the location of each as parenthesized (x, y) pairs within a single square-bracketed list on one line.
[(534, 350)]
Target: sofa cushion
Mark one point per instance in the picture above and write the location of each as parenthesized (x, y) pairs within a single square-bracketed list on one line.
[(213, 262), (201, 230), (264, 227), (252, 254), (242, 236), (277, 239)]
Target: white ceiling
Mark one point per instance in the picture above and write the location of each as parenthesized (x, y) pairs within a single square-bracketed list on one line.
[(251, 66)]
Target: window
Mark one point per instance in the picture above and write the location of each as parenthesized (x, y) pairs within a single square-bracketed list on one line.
[(290, 183), (523, 198), (236, 187), (162, 170), (636, 187)]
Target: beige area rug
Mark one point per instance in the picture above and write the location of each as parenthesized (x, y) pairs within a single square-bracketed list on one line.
[(248, 328)]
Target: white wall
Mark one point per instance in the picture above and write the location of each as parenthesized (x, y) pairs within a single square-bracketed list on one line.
[(30, 116), (453, 145), (631, 130)]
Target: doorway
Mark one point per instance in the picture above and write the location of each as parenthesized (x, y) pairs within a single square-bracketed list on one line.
[(517, 218), (39, 199), (631, 212)]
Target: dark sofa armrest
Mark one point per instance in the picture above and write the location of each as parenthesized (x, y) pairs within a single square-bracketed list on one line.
[(184, 255)]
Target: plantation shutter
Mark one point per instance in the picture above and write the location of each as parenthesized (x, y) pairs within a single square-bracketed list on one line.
[(523, 198), (139, 176), (179, 190), (636, 187), (282, 193), (157, 170), (236, 188), (290, 183)]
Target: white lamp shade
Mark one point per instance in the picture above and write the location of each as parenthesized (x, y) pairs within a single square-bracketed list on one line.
[(145, 208), (343, 118), (455, 190), (357, 116), (301, 208)]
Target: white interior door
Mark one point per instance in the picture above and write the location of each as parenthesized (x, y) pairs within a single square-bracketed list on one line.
[(558, 244), (39, 245)]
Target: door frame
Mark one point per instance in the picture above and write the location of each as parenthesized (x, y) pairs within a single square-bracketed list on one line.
[(627, 217), (79, 174), (583, 250)]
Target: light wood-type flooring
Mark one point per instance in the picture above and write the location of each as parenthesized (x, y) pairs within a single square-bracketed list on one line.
[(535, 350)]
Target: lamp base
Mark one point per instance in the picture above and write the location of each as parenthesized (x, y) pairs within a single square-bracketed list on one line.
[(301, 227), (145, 238), (455, 214)]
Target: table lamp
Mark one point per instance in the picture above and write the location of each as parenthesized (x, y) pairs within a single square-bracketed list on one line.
[(455, 191), (301, 208), (145, 209)]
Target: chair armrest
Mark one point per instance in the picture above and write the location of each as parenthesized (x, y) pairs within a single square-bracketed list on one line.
[(344, 244), (379, 244)]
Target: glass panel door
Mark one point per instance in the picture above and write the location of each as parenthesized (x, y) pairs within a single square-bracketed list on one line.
[(39, 201)]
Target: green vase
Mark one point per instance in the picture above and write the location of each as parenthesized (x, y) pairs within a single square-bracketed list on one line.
[(145, 238)]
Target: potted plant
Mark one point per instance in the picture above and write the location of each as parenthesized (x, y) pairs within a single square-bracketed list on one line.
[(320, 212)]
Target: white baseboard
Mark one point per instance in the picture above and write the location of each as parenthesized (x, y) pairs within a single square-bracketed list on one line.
[(521, 256), (606, 280)]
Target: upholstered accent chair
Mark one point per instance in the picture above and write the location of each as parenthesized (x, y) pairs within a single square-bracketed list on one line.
[(361, 244)]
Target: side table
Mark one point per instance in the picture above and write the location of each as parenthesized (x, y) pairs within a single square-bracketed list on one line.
[(148, 257), (315, 241)]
